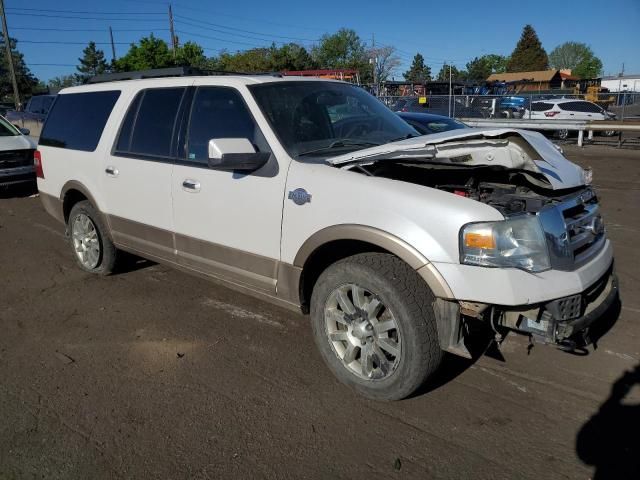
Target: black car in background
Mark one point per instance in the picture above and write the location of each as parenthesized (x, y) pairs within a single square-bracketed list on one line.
[(427, 123)]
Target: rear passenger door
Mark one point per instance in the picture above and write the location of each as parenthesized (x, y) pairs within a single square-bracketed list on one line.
[(137, 172), (227, 224)]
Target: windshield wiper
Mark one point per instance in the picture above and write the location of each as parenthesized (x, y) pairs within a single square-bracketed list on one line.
[(407, 136), (339, 144)]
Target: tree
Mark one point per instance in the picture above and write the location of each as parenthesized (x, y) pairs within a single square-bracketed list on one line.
[(191, 55), (443, 74), (27, 82), (150, 52), (385, 63), (92, 61), (418, 72), (343, 49), (63, 81), (577, 57), (528, 55), (290, 56), (480, 68)]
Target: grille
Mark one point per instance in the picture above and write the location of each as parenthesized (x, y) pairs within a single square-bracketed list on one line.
[(574, 230), (16, 158)]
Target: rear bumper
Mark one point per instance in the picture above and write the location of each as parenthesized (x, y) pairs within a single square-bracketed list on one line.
[(14, 176)]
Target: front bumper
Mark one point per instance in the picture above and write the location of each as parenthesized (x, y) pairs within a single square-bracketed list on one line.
[(16, 175), (563, 319)]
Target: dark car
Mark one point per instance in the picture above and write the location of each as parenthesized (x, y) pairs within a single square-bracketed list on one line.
[(427, 123)]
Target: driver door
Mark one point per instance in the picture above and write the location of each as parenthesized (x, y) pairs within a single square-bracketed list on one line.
[(227, 224)]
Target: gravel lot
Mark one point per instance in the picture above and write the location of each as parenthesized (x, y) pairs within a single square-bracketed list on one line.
[(156, 374)]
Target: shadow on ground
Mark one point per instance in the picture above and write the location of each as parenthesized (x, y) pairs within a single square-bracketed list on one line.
[(18, 191), (610, 440)]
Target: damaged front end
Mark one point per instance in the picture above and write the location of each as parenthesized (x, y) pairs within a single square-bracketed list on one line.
[(552, 221)]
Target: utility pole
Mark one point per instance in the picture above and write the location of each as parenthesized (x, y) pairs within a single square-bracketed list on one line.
[(7, 47), (375, 63), (449, 89), (113, 46), (174, 39)]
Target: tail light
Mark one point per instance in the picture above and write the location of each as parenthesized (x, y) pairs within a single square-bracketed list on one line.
[(37, 162), (551, 114)]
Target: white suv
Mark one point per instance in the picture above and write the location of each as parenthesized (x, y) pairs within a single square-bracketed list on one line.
[(396, 244), (568, 109)]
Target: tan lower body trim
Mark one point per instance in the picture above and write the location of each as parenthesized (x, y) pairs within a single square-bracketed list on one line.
[(53, 206), (436, 281)]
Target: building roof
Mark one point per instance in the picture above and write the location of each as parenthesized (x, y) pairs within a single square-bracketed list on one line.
[(536, 76), (623, 77)]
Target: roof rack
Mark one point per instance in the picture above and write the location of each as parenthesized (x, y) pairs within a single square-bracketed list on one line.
[(166, 72)]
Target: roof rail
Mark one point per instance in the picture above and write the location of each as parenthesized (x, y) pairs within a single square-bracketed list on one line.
[(165, 72)]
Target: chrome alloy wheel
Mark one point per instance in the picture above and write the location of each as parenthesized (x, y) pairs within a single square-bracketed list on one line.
[(85, 241), (363, 332)]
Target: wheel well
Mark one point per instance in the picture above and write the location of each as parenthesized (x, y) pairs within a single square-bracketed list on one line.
[(326, 255), (70, 199)]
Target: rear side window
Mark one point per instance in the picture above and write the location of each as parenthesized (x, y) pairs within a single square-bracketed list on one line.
[(77, 120), (586, 107), (541, 106), (149, 124)]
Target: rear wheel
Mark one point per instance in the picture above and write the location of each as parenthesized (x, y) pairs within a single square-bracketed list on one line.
[(562, 134), (92, 248), (608, 133), (374, 324)]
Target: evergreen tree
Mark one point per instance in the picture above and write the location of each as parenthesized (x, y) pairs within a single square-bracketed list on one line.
[(418, 72), (27, 83), (528, 55), (443, 74), (92, 61)]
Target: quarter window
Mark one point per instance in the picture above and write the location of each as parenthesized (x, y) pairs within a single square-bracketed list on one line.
[(77, 120), (220, 112), (541, 106)]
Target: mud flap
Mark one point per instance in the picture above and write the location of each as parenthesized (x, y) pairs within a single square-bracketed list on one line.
[(450, 327)]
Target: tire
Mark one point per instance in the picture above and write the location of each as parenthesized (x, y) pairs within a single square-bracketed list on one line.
[(407, 303), (562, 134), (92, 248), (608, 133)]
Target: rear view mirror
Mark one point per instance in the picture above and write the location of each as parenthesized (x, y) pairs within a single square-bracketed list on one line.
[(235, 154)]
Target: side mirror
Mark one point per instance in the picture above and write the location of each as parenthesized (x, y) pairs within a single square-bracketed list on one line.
[(24, 131), (235, 154)]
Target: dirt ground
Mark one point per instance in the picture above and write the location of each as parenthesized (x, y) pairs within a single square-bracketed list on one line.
[(153, 373)]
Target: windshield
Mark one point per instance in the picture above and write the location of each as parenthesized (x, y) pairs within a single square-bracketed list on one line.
[(327, 118), (7, 130)]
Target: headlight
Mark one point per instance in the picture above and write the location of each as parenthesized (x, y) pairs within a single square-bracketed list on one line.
[(587, 175), (517, 242)]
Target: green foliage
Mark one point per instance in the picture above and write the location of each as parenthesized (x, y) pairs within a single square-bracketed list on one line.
[(456, 75), (27, 82), (528, 54), (150, 52), (92, 61), (577, 57), (191, 55), (418, 72), (64, 81), (290, 57), (343, 49), (480, 68)]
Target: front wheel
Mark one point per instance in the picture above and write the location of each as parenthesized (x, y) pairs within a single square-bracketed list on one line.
[(374, 324)]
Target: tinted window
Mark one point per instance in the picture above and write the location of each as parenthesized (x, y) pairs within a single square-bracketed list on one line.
[(586, 107), (35, 104), (541, 106), (78, 119), (152, 115), (219, 112)]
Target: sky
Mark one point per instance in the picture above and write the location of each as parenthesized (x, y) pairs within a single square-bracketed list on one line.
[(441, 31)]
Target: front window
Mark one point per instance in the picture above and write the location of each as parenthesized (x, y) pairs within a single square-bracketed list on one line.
[(7, 130), (326, 119)]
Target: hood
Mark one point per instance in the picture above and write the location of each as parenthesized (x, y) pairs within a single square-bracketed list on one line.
[(510, 148), (16, 142)]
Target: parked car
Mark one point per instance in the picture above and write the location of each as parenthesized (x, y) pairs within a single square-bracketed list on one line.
[(398, 245), (568, 109), (34, 113), (426, 123), (16, 155)]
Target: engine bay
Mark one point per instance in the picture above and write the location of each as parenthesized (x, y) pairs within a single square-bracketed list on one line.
[(509, 191)]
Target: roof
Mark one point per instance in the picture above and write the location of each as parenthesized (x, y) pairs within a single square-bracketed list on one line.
[(536, 76), (568, 76), (560, 100), (623, 77), (222, 80)]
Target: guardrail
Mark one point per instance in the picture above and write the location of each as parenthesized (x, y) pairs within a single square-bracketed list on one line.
[(570, 125)]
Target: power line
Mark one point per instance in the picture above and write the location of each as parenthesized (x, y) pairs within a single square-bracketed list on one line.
[(87, 18), (82, 12), (56, 42), (244, 31), (80, 29), (216, 38)]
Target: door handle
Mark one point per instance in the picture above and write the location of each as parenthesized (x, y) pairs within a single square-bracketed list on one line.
[(111, 171), (192, 186)]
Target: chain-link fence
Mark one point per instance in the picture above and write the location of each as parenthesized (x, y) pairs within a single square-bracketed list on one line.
[(601, 106)]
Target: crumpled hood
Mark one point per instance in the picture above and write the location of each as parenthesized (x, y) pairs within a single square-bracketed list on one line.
[(530, 151)]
